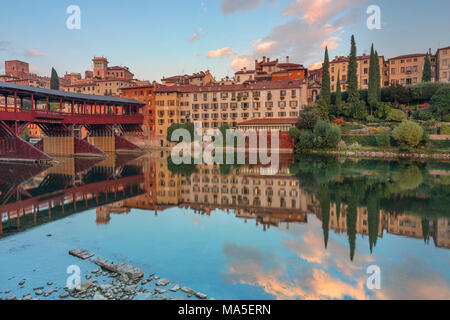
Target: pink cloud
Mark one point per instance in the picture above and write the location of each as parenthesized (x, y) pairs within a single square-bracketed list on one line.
[(264, 47), (241, 61), (331, 43), (224, 52), (33, 53), (319, 11)]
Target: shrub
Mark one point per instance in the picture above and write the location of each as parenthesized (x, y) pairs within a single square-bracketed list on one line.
[(441, 100), (409, 133), (383, 139), (371, 118), (446, 118), (441, 144), (365, 140), (445, 129), (423, 92), (396, 93), (359, 110), (396, 115), (339, 121), (383, 109), (294, 133), (308, 117), (422, 115), (305, 141), (189, 126), (326, 135)]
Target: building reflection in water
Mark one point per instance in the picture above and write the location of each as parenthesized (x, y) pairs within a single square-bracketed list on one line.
[(31, 194), (274, 201)]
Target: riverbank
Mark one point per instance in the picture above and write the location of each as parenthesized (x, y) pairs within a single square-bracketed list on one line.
[(391, 153)]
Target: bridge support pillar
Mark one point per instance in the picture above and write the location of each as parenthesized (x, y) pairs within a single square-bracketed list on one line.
[(69, 146), (113, 144)]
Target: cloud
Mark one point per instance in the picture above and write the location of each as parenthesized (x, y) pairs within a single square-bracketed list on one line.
[(264, 47), (196, 35), (232, 6), (33, 53), (315, 65), (37, 70), (224, 52), (331, 43), (319, 11), (241, 61), (298, 38)]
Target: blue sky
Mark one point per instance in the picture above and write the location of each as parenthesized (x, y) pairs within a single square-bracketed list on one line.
[(163, 38)]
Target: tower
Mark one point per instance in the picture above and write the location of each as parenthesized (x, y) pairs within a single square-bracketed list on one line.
[(100, 67)]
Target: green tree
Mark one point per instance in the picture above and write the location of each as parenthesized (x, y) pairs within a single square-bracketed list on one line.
[(305, 141), (396, 115), (294, 133), (426, 77), (326, 135), (54, 80), (338, 102), (308, 118), (378, 75), (325, 91), (373, 88), (383, 139), (441, 101), (352, 77), (409, 133)]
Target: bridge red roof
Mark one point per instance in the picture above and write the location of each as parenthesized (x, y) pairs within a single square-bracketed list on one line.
[(6, 87)]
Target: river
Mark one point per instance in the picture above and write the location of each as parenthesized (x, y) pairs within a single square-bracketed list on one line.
[(315, 230)]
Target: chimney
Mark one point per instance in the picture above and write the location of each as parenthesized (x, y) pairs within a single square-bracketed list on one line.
[(268, 59), (287, 59), (429, 50), (264, 59)]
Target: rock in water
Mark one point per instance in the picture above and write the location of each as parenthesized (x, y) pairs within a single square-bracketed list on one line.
[(200, 295), (187, 289), (175, 288), (99, 296), (121, 268), (80, 253), (163, 282)]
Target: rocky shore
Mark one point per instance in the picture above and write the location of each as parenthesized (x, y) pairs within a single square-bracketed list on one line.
[(109, 281)]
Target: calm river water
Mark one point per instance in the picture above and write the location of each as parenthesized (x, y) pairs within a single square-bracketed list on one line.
[(309, 232)]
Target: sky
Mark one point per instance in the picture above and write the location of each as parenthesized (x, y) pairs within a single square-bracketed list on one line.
[(163, 38)]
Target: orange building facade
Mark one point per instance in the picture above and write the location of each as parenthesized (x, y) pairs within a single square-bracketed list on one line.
[(144, 94)]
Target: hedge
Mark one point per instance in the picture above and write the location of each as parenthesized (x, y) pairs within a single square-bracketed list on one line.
[(370, 140), (365, 140), (441, 144)]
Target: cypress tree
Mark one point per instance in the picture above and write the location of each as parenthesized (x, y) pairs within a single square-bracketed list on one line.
[(54, 80), (378, 75), (352, 77), (325, 91), (372, 95), (338, 102), (426, 77)]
